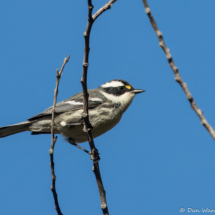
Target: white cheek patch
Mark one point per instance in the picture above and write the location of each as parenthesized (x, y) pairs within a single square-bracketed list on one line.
[(112, 84), (74, 103), (96, 100), (63, 124), (124, 99)]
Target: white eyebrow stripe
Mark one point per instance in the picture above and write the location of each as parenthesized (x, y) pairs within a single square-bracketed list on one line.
[(96, 100), (74, 103), (112, 84)]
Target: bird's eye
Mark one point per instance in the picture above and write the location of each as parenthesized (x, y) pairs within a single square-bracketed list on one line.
[(121, 88)]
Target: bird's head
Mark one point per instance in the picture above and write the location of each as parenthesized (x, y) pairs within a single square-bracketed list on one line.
[(119, 91)]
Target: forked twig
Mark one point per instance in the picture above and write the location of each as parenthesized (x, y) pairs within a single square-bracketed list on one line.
[(54, 139), (87, 125), (176, 72)]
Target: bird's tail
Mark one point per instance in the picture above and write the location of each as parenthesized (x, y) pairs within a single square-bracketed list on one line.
[(13, 129)]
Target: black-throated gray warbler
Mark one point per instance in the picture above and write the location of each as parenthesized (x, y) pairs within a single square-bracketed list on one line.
[(106, 105)]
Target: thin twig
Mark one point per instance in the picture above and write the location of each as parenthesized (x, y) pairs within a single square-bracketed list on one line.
[(83, 149), (176, 72), (103, 9), (54, 139), (87, 126)]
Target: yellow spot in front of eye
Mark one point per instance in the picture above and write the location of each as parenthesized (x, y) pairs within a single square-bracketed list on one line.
[(128, 87)]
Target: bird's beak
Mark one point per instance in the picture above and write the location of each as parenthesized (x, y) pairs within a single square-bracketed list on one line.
[(137, 91)]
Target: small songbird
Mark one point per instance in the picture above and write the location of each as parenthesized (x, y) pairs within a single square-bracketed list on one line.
[(106, 105)]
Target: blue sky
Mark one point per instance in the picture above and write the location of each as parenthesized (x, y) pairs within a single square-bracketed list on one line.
[(159, 158)]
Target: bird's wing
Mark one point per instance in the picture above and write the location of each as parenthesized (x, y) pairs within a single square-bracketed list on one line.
[(72, 104)]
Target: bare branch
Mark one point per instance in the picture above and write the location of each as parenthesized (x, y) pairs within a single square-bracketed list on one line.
[(176, 72), (87, 126), (103, 9), (54, 139)]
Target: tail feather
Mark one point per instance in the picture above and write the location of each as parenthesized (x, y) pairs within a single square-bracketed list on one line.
[(13, 129)]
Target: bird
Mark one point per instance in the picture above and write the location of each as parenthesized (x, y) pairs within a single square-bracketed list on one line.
[(106, 105)]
